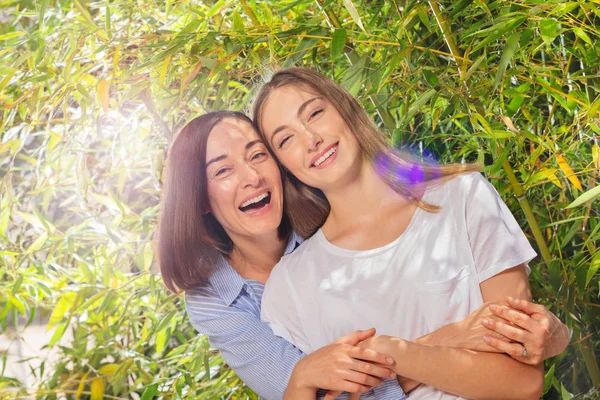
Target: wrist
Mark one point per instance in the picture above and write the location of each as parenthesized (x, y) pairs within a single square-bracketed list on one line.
[(396, 348), (297, 379)]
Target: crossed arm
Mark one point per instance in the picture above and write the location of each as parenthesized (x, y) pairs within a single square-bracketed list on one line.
[(467, 373), (457, 360)]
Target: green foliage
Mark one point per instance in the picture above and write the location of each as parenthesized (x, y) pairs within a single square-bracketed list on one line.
[(92, 92)]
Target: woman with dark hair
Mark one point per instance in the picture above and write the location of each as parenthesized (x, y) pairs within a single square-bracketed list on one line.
[(222, 229), (224, 225), (406, 247)]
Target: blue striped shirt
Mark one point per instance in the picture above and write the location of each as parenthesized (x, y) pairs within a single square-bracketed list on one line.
[(227, 310)]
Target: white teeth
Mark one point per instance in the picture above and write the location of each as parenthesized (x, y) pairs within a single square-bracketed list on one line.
[(254, 200), (325, 156)]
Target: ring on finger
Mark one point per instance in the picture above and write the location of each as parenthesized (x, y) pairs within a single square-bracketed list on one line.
[(524, 351)]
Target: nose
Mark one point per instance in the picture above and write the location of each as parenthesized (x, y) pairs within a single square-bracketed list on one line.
[(313, 140), (251, 177)]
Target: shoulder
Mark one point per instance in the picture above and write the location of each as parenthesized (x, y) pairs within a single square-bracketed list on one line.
[(459, 188), (204, 301), (293, 262)]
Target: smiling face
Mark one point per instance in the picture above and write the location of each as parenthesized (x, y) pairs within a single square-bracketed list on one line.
[(243, 181), (310, 137)]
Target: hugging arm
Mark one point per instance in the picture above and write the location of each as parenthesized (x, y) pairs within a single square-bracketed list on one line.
[(262, 360), (467, 373)]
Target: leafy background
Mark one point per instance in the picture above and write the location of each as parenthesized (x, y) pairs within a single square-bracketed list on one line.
[(92, 92)]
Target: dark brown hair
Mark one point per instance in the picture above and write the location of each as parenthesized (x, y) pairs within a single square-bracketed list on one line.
[(397, 169), (190, 239)]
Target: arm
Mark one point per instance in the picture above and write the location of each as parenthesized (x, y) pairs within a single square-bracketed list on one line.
[(339, 367), (266, 362), (262, 360), (468, 373), (530, 325)]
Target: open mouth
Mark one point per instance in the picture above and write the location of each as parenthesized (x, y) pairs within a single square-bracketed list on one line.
[(328, 154), (256, 203)]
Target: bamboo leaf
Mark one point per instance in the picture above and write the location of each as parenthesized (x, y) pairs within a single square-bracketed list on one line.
[(511, 45), (150, 392), (64, 305), (97, 389), (566, 169), (161, 340), (58, 333), (582, 35), (587, 196), (548, 29), (81, 385), (11, 35), (354, 13), (18, 304), (594, 266), (37, 243), (103, 94), (108, 369), (338, 42), (84, 13), (417, 104)]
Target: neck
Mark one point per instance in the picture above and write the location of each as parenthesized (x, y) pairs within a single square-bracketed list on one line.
[(254, 257), (363, 198)]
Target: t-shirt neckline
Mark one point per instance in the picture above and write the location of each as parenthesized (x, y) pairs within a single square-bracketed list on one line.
[(340, 251)]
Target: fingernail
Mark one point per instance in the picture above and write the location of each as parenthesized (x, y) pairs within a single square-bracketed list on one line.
[(510, 298), (485, 322), (493, 307), (390, 360), (486, 339)]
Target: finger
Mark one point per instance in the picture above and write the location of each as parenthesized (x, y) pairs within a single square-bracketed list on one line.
[(356, 337), (331, 395), (514, 333), (350, 387), (526, 306), (490, 332), (361, 353), (355, 396), (515, 350), (361, 378), (379, 371), (516, 318)]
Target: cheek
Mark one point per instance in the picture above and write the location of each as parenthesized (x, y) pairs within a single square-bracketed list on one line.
[(293, 158), (220, 195)]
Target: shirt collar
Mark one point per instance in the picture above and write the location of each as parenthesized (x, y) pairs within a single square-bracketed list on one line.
[(226, 280)]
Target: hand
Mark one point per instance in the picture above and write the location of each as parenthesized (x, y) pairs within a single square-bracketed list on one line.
[(343, 367), (532, 327), (470, 332)]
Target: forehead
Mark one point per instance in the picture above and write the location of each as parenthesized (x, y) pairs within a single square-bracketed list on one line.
[(292, 93), (229, 135), (284, 101)]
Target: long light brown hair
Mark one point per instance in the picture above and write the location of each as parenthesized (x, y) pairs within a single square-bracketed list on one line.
[(190, 240), (405, 174)]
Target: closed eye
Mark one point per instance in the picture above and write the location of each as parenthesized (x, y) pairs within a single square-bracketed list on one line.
[(222, 171), (284, 141), (315, 113), (258, 156)]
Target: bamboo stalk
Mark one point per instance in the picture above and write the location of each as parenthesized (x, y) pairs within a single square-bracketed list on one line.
[(526, 207)]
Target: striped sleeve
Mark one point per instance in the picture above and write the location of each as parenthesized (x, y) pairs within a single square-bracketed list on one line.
[(261, 359)]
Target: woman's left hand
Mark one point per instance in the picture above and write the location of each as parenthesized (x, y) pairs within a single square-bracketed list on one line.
[(535, 332)]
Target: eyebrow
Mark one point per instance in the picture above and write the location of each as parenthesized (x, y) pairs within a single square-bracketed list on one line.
[(300, 111), (224, 156), (214, 160)]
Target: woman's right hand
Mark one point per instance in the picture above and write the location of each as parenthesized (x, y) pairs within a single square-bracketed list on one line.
[(341, 367)]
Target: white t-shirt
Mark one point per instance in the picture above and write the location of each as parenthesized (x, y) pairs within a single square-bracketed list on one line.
[(425, 279)]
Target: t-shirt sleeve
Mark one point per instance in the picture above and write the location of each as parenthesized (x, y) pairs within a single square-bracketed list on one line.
[(280, 309), (497, 241)]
